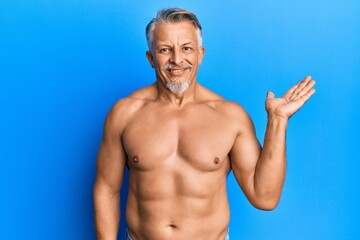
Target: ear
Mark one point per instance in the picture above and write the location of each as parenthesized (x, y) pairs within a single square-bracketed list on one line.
[(201, 54), (150, 58)]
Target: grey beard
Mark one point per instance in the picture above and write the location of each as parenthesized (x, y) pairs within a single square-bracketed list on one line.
[(178, 88)]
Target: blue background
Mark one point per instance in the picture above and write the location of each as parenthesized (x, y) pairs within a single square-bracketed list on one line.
[(63, 64)]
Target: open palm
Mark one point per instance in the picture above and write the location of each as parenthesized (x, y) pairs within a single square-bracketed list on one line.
[(292, 100)]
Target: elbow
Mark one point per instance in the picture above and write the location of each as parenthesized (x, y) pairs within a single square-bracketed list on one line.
[(97, 189), (266, 204), (266, 207), (103, 190)]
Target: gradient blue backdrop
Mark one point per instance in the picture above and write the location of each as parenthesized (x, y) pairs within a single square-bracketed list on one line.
[(63, 64)]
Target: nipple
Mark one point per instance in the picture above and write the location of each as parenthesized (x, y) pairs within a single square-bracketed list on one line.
[(216, 160), (136, 159)]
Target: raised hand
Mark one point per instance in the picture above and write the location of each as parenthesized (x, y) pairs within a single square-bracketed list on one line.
[(292, 100)]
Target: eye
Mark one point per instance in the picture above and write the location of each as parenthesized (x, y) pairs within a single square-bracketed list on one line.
[(164, 50), (187, 49)]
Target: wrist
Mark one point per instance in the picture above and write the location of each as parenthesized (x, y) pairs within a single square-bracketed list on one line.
[(276, 119)]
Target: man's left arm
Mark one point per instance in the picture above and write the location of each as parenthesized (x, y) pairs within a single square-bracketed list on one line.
[(261, 172)]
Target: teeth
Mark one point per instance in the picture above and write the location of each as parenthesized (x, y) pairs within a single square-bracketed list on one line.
[(176, 71)]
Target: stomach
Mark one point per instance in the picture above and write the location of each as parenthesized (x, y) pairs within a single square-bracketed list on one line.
[(173, 214)]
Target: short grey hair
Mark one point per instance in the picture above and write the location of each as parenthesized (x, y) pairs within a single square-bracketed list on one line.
[(172, 15)]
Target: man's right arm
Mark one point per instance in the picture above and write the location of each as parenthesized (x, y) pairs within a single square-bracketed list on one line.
[(111, 163)]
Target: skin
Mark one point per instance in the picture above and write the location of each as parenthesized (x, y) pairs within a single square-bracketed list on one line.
[(179, 149)]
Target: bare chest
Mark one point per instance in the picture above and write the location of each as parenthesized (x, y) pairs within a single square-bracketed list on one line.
[(200, 139)]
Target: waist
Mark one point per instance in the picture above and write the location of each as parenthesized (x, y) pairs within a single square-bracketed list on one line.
[(176, 217), (128, 237)]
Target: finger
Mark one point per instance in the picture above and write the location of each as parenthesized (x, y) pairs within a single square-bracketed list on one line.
[(301, 84), (270, 95), (288, 94), (295, 88), (304, 90), (303, 98), (300, 87)]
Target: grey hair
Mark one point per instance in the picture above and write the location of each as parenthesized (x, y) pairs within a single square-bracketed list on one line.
[(172, 15)]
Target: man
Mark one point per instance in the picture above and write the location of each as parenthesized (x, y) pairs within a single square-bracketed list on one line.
[(179, 141)]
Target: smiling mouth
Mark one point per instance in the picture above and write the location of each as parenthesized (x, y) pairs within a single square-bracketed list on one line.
[(176, 71)]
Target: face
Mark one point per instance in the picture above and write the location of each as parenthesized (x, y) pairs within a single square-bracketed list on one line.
[(175, 55)]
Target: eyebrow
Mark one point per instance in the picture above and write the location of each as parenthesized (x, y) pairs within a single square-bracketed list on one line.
[(168, 45), (187, 43)]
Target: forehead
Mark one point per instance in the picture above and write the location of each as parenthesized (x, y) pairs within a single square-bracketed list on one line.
[(175, 32)]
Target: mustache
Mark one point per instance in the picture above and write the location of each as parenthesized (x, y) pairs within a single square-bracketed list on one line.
[(174, 66)]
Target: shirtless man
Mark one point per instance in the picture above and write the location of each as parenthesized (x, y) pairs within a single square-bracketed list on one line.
[(179, 141)]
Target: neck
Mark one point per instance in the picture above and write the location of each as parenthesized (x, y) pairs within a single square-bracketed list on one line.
[(180, 99)]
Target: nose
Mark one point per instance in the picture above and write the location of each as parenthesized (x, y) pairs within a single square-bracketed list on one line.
[(176, 56)]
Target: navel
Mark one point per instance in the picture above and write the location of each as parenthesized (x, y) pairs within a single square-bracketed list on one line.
[(216, 160), (172, 226), (135, 159)]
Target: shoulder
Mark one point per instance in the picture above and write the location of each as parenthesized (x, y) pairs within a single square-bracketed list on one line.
[(234, 112), (230, 111), (223, 106), (124, 109), (238, 118), (233, 109)]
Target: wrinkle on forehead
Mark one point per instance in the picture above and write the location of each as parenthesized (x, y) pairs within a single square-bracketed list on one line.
[(175, 34)]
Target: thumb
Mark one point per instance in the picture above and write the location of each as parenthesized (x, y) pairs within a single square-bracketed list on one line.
[(270, 95)]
